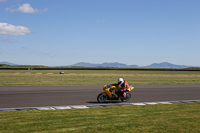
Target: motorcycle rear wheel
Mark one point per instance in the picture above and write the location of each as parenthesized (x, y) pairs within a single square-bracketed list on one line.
[(128, 96), (101, 98)]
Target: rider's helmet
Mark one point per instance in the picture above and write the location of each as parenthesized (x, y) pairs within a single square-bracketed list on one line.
[(120, 81)]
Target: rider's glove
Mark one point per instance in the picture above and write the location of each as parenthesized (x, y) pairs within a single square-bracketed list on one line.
[(109, 85)]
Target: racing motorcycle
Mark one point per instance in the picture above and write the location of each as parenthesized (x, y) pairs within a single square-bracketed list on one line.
[(113, 93)]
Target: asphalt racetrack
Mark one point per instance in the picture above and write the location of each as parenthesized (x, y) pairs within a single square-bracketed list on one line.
[(64, 95)]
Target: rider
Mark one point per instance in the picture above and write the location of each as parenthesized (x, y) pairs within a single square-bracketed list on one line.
[(123, 86)]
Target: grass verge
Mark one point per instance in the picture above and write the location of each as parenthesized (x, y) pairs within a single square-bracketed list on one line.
[(94, 77), (182, 117)]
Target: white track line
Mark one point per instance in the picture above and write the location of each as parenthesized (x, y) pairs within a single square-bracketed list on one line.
[(94, 106)]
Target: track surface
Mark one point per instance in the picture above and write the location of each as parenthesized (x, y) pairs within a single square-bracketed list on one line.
[(62, 95)]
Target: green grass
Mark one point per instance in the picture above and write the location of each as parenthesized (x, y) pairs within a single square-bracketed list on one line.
[(183, 117), (94, 77)]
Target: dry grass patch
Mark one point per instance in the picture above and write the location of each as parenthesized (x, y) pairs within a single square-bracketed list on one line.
[(93, 77)]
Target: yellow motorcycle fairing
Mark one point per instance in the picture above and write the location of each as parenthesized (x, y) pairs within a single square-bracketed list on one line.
[(115, 88), (110, 94), (131, 88), (107, 90)]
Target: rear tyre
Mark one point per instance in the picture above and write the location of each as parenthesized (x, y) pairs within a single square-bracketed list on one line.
[(101, 98), (128, 96)]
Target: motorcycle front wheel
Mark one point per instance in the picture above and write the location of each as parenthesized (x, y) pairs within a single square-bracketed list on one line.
[(128, 96), (101, 98)]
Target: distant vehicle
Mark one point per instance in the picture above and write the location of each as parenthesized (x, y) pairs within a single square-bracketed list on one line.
[(61, 72)]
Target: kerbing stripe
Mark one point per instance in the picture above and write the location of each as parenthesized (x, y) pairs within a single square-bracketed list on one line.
[(151, 103), (164, 103), (94, 106), (79, 107), (138, 104), (62, 107)]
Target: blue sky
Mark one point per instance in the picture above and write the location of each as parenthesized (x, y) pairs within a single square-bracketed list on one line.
[(65, 32)]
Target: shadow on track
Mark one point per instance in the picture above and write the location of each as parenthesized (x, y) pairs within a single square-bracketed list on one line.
[(107, 102)]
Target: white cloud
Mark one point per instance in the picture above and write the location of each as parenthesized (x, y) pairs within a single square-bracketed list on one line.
[(4, 39), (25, 8), (9, 29), (101, 20), (52, 55)]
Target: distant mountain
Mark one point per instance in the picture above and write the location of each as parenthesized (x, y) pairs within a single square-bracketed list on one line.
[(7, 63), (121, 65), (114, 64), (165, 65), (84, 64)]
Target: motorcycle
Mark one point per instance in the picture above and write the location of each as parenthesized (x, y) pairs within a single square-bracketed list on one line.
[(113, 93)]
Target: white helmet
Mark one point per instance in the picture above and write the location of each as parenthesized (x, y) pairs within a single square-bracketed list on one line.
[(120, 81)]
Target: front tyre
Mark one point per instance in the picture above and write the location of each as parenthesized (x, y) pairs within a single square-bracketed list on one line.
[(128, 96), (101, 98)]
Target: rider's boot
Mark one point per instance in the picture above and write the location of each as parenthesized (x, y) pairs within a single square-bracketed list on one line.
[(114, 95), (124, 95)]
